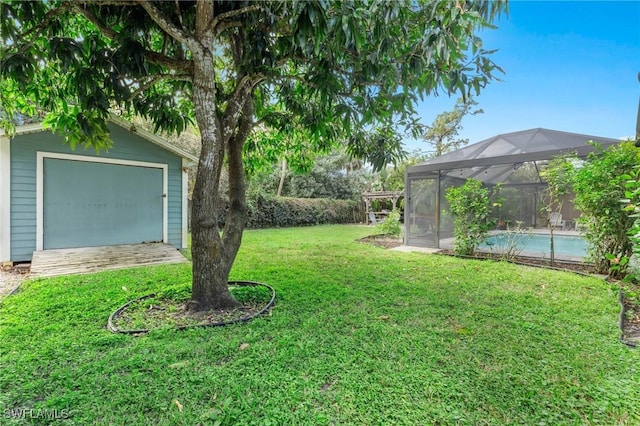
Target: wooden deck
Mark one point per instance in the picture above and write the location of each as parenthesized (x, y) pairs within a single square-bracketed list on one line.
[(85, 260)]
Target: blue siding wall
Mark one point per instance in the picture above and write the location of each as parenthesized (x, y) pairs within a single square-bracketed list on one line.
[(126, 146)]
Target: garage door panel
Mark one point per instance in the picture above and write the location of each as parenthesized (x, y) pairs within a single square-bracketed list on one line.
[(93, 204)]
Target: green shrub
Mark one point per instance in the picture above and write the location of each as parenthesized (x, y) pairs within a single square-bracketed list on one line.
[(277, 212), (469, 204), (391, 225), (599, 187)]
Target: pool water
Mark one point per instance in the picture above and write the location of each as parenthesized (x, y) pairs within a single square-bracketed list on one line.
[(537, 244)]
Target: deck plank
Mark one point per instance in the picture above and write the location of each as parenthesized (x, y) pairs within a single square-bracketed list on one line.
[(50, 263)]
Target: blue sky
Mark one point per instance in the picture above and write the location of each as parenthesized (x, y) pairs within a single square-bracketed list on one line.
[(569, 65)]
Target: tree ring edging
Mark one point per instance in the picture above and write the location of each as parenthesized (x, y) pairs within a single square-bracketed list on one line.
[(115, 314)]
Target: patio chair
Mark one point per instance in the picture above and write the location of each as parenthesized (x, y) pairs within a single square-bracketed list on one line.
[(555, 220)]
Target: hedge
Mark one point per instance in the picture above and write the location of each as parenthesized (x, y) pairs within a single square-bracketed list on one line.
[(276, 212)]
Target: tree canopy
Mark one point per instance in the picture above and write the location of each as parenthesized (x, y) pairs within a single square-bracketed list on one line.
[(443, 133), (327, 72)]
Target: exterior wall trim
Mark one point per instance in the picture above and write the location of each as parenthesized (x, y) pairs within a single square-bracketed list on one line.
[(5, 199), (153, 138), (41, 155), (150, 137), (185, 202)]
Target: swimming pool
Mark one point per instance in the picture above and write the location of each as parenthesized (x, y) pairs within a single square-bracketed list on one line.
[(537, 245)]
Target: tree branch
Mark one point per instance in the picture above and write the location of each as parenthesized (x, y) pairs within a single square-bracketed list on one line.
[(157, 78), (179, 65), (91, 17), (226, 25), (110, 2), (236, 215), (218, 20), (167, 26), (38, 29), (64, 7), (204, 15), (236, 103), (154, 57), (178, 11)]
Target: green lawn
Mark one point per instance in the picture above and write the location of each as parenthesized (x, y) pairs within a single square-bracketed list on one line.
[(360, 335)]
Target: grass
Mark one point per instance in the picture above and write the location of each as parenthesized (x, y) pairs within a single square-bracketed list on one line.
[(360, 335)]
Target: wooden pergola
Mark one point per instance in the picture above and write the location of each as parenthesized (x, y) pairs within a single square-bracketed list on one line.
[(374, 217)]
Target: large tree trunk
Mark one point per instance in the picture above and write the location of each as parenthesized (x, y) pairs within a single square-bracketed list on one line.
[(214, 250), (210, 255), (211, 265)]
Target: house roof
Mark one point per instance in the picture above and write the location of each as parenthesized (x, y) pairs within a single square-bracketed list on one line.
[(514, 148), (155, 139)]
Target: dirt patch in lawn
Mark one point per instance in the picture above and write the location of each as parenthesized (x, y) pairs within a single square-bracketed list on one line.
[(382, 240), (11, 278)]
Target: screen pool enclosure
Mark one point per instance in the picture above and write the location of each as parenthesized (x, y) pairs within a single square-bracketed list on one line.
[(514, 160)]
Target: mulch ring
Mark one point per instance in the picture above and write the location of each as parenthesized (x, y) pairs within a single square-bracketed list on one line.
[(382, 240), (152, 311)]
